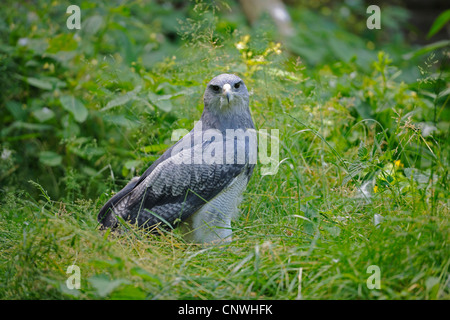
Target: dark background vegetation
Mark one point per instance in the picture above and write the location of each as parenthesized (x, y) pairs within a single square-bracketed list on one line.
[(128, 50)]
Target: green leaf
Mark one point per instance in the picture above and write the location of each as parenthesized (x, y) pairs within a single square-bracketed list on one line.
[(120, 120), (432, 285), (62, 42), (116, 262), (334, 231), (165, 105), (143, 274), (417, 175), (439, 23), (162, 102), (425, 49), (364, 110), (117, 102), (39, 83), (43, 114), (16, 109), (444, 93), (23, 125), (363, 153), (104, 286), (50, 158), (132, 164), (129, 292), (92, 24), (74, 106), (307, 199), (75, 293), (154, 148), (123, 99)]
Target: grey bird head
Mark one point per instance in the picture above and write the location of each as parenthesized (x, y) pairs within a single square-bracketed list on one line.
[(225, 95)]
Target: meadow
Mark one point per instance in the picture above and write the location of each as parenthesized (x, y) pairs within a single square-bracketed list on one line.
[(357, 208)]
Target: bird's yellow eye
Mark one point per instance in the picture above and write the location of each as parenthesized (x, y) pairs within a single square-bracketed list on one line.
[(237, 85)]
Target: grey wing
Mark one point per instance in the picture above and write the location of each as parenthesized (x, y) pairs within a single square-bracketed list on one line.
[(107, 214), (172, 189), (176, 191)]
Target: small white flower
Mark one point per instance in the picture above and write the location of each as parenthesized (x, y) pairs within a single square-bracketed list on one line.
[(240, 46), (6, 154), (22, 42)]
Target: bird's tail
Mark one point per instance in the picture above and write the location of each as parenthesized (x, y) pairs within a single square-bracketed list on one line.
[(107, 216)]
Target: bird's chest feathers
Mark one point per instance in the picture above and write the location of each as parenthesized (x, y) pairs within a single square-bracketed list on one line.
[(223, 207)]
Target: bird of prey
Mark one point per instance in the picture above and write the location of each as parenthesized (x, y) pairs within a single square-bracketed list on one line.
[(198, 183)]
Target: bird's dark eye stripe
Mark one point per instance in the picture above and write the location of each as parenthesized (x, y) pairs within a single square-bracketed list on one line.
[(215, 88), (237, 85)]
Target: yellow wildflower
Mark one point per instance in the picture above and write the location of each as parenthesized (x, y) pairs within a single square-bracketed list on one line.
[(398, 164), (241, 45)]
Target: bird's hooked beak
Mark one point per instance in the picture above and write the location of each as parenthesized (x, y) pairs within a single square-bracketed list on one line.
[(227, 92)]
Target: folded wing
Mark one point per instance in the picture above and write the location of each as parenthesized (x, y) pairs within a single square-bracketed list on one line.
[(171, 190)]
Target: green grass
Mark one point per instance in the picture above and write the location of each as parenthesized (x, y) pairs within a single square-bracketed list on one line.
[(363, 157), (272, 246)]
